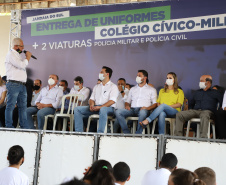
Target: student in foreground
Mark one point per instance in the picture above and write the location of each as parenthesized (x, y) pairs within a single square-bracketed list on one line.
[(12, 175), (121, 173), (160, 176)]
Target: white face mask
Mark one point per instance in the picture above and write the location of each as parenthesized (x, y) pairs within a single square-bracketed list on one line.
[(138, 79), (101, 76), (51, 81), (76, 87), (169, 81), (61, 87), (202, 85)]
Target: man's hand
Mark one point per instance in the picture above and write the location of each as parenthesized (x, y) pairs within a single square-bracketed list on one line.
[(224, 108), (127, 107), (97, 108), (40, 105), (86, 170), (142, 108), (91, 108), (28, 55)]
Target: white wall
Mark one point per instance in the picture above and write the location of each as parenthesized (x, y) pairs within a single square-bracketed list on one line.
[(4, 44)]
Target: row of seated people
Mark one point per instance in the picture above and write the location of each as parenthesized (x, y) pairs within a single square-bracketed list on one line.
[(108, 99), (101, 173)]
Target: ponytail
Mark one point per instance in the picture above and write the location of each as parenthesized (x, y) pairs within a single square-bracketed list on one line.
[(101, 173)]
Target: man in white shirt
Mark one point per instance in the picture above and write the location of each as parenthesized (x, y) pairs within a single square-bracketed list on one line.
[(141, 99), (79, 89), (47, 102), (161, 175), (36, 92), (102, 102), (16, 80), (120, 104), (121, 172), (12, 175)]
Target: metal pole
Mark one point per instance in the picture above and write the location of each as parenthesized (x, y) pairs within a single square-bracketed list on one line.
[(37, 157)]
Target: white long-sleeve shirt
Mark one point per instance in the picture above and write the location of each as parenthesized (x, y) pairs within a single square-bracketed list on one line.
[(15, 66), (50, 96), (84, 91), (142, 96)]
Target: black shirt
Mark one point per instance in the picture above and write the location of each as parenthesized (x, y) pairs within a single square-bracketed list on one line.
[(206, 100)]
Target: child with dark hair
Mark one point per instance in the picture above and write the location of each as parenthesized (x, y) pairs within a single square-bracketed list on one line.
[(12, 175), (100, 173), (121, 173), (185, 177)]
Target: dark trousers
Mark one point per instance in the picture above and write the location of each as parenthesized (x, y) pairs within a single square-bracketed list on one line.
[(15, 116), (220, 124)]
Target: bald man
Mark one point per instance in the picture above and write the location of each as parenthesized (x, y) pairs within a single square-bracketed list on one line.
[(203, 106)]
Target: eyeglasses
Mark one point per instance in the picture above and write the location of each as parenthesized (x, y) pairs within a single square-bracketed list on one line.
[(21, 46)]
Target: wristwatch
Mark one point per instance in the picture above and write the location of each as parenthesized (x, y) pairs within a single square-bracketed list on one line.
[(122, 92)]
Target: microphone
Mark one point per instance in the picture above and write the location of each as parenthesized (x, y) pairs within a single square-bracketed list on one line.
[(31, 55)]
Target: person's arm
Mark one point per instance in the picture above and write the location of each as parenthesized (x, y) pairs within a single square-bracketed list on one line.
[(127, 106), (108, 104), (85, 94), (91, 105), (176, 105), (92, 99), (128, 100), (42, 105), (180, 100), (113, 98), (17, 62), (3, 97), (37, 101), (192, 102), (58, 99), (153, 100)]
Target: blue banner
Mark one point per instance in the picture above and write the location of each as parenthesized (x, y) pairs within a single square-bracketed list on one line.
[(187, 37)]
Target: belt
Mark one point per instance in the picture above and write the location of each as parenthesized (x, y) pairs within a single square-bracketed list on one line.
[(18, 82)]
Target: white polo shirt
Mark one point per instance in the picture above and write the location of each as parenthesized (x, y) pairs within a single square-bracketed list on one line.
[(34, 97), (13, 176), (120, 104), (15, 66), (156, 177), (142, 96), (103, 93), (224, 101), (50, 96), (84, 91)]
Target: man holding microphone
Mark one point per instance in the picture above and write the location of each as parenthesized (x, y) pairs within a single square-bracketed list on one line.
[(16, 80)]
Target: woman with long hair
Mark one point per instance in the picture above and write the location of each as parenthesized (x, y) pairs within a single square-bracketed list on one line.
[(184, 177), (100, 173), (12, 175), (169, 102)]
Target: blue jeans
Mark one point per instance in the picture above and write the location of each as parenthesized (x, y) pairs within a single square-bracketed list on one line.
[(162, 112), (41, 113), (16, 94), (122, 114), (83, 111)]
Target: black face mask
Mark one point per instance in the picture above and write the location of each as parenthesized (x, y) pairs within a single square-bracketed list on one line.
[(36, 87), (19, 51)]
